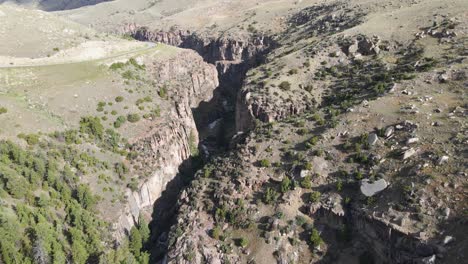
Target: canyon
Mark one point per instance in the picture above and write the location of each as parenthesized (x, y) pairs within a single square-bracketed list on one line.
[(241, 131)]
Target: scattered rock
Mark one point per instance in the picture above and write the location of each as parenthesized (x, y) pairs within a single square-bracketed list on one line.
[(408, 153), (304, 173), (429, 260), (442, 160), (370, 189), (372, 139), (448, 239), (412, 140), (389, 131), (446, 213), (368, 46), (443, 78)]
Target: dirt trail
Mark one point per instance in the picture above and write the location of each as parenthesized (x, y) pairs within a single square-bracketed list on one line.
[(90, 51)]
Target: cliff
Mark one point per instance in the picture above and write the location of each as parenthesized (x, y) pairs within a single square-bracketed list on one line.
[(168, 144)]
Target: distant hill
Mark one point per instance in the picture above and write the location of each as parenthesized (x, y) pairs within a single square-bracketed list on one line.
[(54, 5)]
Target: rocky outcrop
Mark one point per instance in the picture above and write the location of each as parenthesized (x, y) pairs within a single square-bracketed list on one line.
[(164, 148), (389, 242), (232, 56), (212, 49), (249, 108)]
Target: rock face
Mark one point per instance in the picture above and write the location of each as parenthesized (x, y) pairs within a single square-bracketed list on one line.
[(212, 49), (389, 242), (164, 148)]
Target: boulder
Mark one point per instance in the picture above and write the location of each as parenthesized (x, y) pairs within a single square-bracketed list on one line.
[(370, 189), (368, 46)]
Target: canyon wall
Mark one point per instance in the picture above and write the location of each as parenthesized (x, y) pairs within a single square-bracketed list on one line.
[(165, 147)]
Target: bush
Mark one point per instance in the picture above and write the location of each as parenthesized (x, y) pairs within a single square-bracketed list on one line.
[(293, 71), (119, 121), (92, 126), (315, 196), (163, 92), (3, 110), (216, 232), (285, 86), (117, 65), (270, 196), (265, 163), (315, 238), (133, 118), (119, 99), (285, 184), (306, 182), (243, 242), (31, 139)]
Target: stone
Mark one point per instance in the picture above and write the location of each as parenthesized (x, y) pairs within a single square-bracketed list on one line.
[(443, 78), (367, 46), (370, 189), (448, 240), (304, 173), (408, 153), (412, 140), (442, 160), (446, 213), (372, 139), (429, 260), (388, 131)]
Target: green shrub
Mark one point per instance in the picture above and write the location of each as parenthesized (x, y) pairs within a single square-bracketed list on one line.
[(31, 139), (129, 75), (270, 196), (285, 86), (119, 99), (265, 163), (216, 232), (119, 121), (117, 66), (163, 92), (315, 196), (315, 238), (92, 126), (293, 71), (243, 242), (306, 182), (285, 184), (3, 110), (133, 118)]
